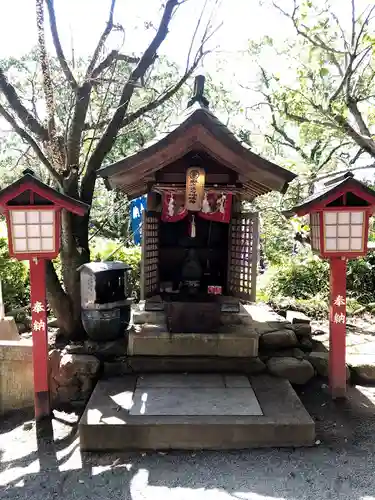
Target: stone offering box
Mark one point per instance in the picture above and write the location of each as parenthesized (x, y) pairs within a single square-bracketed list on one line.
[(104, 299)]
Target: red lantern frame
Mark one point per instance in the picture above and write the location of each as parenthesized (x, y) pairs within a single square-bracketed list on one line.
[(364, 201), (30, 194)]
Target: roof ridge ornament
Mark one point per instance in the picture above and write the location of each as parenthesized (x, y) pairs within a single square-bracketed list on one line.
[(339, 178), (198, 92), (28, 171)]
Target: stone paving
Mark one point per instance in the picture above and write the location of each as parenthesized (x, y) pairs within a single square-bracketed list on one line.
[(339, 466), (209, 394)]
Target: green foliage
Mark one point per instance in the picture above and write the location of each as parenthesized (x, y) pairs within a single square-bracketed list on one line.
[(14, 278), (300, 277), (302, 283), (110, 250), (361, 279)]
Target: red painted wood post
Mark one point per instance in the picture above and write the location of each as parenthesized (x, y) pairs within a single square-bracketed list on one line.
[(337, 328), (40, 340)]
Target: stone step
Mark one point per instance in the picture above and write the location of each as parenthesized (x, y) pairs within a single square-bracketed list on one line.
[(177, 364), (194, 412), (150, 340)]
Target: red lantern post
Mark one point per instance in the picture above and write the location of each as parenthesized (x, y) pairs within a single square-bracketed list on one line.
[(337, 327), (339, 222), (32, 211)]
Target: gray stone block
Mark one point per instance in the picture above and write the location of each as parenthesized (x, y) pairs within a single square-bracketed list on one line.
[(192, 344), (302, 329), (297, 371), (279, 339), (296, 317), (177, 401), (236, 381), (107, 426)]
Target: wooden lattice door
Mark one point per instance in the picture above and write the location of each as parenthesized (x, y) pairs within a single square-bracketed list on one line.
[(243, 255), (150, 255)]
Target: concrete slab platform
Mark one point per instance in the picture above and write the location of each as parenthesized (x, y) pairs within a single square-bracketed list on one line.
[(176, 401), (113, 419)]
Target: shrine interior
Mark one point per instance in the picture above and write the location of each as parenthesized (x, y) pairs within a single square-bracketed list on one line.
[(188, 266)]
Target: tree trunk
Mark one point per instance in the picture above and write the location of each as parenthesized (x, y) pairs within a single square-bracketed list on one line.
[(65, 300)]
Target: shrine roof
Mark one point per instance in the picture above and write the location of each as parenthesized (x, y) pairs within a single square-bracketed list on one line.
[(334, 188), (198, 129)]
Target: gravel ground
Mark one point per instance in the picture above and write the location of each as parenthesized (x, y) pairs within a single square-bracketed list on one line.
[(340, 466)]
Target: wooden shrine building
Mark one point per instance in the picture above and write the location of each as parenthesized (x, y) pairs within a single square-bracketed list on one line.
[(198, 246)]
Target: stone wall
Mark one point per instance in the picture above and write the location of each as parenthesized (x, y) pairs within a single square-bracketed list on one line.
[(16, 375)]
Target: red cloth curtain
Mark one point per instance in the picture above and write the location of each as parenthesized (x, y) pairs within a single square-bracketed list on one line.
[(215, 207), (173, 207)]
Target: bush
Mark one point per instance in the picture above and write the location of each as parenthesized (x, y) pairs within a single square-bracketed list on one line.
[(361, 279), (300, 277), (14, 278), (131, 256), (302, 283)]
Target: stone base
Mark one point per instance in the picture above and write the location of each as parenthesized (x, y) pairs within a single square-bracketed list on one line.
[(8, 329), (128, 414), (231, 314), (150, 341), (16, 375)]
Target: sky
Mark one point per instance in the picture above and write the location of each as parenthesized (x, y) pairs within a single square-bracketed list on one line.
[(80, 23)]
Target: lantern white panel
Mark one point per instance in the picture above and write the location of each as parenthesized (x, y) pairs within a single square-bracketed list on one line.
[(47, 216), (356, 244), (20, 245), (344, 217), (331, 231), (47, 244), (357, 217), (330, 218), (33, 230), (34, 244), (32, 217), (18, 217), (331, 244), (19, 231), (343, 231), (356, 231), (343, 244), (47, 230)]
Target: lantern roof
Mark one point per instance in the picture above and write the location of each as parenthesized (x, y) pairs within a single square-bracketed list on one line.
[(334, 193), (197, 131), (20, 191)]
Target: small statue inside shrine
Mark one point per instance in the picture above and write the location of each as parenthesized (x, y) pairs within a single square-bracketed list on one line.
[(191, 272)]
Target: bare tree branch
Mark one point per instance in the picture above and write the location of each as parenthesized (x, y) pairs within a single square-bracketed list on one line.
[(333, 174), (366, 143), (158, 102), (102, 40), (112, 56), (109, 136), (356, 156), (363, 128), (317, 42), (56, 41), (47, 83), (27, 138), (331, 153), (23, 114)]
